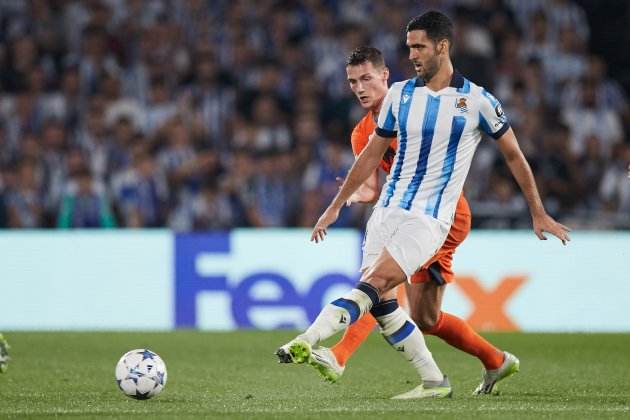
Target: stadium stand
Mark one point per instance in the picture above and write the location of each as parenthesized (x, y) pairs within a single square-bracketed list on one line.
[(203, 115)]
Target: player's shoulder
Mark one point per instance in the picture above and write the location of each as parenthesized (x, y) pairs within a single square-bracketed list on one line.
[(480, 95), (361, 132), (474, 89), (397, 87), (363, 123), (479, 92), (400, 84)]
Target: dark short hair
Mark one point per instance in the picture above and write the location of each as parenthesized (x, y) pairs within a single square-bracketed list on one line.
[(436, 24), (364, 54)]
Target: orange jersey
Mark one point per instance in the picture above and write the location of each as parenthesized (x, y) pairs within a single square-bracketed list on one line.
[(361, 134)]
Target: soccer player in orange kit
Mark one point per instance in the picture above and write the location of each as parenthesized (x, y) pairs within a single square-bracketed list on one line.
[(368, 76)]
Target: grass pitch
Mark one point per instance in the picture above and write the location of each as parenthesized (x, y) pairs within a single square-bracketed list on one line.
[(235, 375)]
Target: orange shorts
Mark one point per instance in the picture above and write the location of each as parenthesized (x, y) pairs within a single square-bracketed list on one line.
[(440, 267)]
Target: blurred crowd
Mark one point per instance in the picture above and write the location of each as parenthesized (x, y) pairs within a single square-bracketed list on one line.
[(212, 114)]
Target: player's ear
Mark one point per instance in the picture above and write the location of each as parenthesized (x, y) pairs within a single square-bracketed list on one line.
[(443, 46), (385, 73)]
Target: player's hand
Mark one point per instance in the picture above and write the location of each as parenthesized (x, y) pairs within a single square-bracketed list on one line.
[(326, 219), (547, 223)]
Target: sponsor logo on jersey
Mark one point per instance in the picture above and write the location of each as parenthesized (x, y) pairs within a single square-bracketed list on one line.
[(499, 110)]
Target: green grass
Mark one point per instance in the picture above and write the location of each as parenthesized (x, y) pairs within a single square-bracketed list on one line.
[(235, 375)]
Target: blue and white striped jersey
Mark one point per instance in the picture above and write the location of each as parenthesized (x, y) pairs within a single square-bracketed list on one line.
[(438, 133)]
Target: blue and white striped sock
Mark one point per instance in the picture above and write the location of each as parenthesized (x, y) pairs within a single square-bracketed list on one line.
[(339, 314), (403, 335)]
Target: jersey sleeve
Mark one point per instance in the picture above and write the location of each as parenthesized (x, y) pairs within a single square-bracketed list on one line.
[(387, 125), (492, 119), (356, 139)]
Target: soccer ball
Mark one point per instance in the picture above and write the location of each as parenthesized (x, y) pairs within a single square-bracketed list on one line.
[(141, 374)]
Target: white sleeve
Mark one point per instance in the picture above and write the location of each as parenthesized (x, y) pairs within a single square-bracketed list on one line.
[(492, 119), (387, 125)]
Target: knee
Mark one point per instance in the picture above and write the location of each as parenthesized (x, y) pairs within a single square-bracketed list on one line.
[(382, 280)]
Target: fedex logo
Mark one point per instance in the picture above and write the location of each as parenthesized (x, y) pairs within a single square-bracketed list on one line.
[(276, 279), (254, 278)]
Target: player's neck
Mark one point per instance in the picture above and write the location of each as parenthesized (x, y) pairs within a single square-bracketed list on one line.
[(442, 78), (376, 109)]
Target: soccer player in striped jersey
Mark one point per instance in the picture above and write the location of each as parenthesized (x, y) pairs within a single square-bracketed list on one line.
[(367, 76), (439, 117)]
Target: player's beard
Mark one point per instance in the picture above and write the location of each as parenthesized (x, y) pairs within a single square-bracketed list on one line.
[(429, 68)]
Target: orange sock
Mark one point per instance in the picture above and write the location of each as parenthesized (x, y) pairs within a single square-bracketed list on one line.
[(456, 332), (353, 337)]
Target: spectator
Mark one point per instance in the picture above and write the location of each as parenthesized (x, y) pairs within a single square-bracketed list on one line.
[(141, 192), (320, 182), (190, 107), (615, 186), (24, 204), (84, 203), (587, 118), (592, 165), (209, 210), (273, 192)]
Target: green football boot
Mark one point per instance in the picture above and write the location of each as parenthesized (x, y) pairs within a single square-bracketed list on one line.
[(489, 378), (442, 390), (326, 364), (295, 351)]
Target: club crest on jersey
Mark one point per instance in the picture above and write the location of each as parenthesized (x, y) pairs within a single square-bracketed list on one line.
[(460, 103)]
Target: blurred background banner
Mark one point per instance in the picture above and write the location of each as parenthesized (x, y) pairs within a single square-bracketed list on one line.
[(86, 280), (215, 116), (245, 278)]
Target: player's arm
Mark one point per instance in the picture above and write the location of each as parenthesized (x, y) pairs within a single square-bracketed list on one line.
[(367, 193), (522, 172), (366, 164), (494, 122)]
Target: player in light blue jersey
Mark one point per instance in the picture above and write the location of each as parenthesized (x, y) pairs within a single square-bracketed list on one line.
[(439, 117)]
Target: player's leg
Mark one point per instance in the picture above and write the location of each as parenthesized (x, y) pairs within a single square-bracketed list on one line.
[(353, 337), (339, 314), (4, 354), (356, 333), (426, 291), (331, 362), (400, 252), (396, 326), (405, 337), (412, 242), (425, 300)]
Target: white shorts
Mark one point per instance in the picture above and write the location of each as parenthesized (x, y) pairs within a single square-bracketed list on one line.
[(410, 238)]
